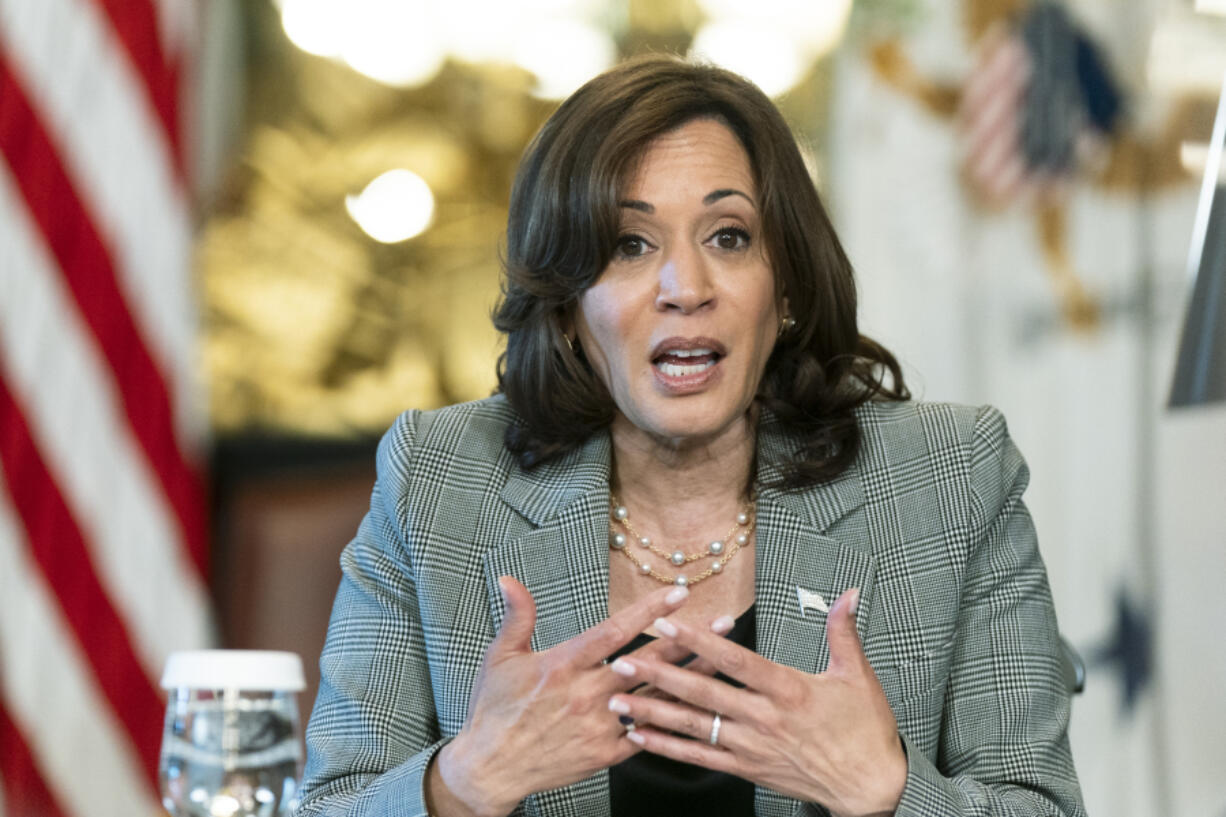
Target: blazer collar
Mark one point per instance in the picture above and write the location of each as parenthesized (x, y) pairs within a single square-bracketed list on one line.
[(540, 494), (819, 507), (564, 559)]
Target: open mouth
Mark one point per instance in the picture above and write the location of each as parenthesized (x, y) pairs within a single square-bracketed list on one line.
[(687, 358), (685, 362)]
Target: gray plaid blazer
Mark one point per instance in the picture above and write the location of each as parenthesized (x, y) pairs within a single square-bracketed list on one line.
[(956, 616)]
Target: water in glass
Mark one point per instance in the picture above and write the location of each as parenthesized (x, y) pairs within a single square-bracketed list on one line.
[(230, 753)]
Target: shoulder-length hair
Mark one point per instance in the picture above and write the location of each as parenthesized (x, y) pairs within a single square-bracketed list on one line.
[(563, 228)]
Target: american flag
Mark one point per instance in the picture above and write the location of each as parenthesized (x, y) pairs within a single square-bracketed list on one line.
[(103, 541), (1038, 104)]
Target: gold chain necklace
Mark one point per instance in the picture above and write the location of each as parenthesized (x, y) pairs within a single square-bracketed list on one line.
[(722, 550)]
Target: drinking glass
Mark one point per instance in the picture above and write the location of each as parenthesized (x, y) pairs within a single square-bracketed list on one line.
[(230, 745)]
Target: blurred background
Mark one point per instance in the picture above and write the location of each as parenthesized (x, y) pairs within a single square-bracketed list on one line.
[(238, 237)]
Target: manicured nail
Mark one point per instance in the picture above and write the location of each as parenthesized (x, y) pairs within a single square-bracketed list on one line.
[(722, 625), (623, 668), (636, 738), (666, 627), (854, 602), (676, 595), (619, 706)]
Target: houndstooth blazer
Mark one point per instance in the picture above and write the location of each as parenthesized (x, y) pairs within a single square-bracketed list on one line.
[(956, 617)]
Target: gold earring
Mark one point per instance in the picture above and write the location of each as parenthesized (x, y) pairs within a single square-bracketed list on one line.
[(569, 343), (785, 324)]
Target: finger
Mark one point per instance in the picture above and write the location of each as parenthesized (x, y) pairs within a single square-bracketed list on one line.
[(722, 626), (515, 634), (631, 686), (702, 666), (672, 716), (692, 687), (678, 657), (696, 752), (845, 651), (728, 657), (598, 643), (646, 691), (665, 649), (656, 650)]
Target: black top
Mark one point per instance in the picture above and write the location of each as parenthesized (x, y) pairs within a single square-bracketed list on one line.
[(646, 785)]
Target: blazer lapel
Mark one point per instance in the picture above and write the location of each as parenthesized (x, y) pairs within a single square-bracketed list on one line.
[(564, 563), (564, 560), (794, 550)]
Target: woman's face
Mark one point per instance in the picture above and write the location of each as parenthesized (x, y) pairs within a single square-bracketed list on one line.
[(681, 322)]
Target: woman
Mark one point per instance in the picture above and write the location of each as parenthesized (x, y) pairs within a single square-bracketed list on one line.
[(692, 466)]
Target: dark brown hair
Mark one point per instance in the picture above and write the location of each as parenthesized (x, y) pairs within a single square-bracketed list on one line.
[(563, 227)]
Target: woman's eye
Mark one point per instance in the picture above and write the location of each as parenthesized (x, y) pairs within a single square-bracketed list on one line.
[(731, 238), (630, 246)]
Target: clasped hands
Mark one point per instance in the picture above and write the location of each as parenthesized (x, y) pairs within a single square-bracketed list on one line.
[(542, 720)]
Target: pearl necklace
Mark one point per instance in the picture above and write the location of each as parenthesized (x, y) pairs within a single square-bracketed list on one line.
[(722, 549)]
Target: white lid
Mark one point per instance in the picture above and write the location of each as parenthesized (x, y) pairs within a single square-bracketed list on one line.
[(234, 669)]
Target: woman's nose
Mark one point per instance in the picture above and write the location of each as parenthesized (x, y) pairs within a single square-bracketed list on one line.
[(685, 283)]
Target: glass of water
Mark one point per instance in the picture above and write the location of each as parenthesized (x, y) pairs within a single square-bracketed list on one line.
[(230, 745)]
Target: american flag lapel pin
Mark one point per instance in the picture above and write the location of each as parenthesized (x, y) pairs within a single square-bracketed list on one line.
[(811, 601)]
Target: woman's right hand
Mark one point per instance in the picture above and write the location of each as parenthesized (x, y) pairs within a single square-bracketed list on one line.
[(537, 721)]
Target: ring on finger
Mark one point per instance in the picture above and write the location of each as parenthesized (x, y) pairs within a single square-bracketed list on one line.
[(715, 724)]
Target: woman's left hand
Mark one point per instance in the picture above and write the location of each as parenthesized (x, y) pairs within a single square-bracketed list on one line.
[(829, 738)]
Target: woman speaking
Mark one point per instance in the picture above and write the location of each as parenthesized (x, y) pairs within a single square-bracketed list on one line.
[(701, 554)]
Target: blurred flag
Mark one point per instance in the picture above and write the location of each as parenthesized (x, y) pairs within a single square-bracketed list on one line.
[(1040, 101), (103, 547)]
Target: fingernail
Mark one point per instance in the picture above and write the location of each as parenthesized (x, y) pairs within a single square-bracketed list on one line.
[(676, 595), (636, 738), (623, 668), (618, 705), (723, 624), (854, 602), (666, 627)]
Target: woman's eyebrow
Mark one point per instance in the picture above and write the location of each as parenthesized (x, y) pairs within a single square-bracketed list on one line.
[(707, 200), (724, 192)]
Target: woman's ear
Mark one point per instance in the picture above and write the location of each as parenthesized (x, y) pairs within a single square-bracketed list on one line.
[(786, 321), (566, 326)]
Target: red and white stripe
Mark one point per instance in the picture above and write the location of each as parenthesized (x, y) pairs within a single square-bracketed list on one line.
[(990, 119), (103, 539)]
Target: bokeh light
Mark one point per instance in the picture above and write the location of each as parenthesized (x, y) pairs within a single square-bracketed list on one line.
[(393, 41), (754, 51), (315, 26), (394, 207), (563, 54)]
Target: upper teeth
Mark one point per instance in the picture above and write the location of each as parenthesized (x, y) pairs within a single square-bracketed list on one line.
[(682, 370), (689, 352)]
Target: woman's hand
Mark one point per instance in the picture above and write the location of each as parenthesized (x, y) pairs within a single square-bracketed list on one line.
[(541, 720), (829, 738)]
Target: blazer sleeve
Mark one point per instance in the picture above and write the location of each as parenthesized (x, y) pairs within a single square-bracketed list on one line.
[(1003, 747), (374, 731)]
